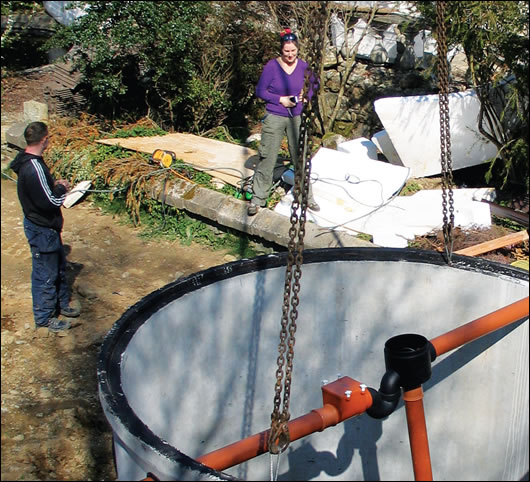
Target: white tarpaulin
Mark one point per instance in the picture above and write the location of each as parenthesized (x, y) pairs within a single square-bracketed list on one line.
[(413, 125), (359, 195), (66, 13)]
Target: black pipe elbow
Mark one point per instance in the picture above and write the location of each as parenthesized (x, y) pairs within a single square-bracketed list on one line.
[(386, 399)]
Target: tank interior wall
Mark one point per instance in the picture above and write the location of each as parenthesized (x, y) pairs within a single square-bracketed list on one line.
[(200, 372)]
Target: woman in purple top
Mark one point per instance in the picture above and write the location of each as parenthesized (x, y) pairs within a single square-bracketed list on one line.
[(281, 86)]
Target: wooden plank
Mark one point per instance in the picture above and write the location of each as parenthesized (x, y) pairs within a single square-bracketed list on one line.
[(225, 161), (513, 238)]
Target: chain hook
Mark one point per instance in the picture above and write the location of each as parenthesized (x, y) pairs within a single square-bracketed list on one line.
[(279, 438)]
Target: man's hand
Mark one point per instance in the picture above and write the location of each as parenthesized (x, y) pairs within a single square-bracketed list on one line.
[(63, 182)]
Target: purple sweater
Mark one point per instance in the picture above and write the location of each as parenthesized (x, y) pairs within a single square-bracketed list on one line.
[(275, 82)]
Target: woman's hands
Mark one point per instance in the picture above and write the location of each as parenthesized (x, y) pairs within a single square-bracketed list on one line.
[(285, 100)]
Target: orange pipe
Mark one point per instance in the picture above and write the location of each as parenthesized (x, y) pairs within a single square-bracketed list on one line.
[(480, 327), (250, 447), (339, 408), (419, 443)]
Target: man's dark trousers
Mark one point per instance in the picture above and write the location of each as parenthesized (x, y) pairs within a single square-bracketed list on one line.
[(49, 287)]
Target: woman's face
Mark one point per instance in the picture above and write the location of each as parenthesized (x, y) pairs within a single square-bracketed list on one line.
[(289, 52)]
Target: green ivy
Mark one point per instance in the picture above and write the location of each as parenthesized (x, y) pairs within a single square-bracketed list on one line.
[(139, 131)]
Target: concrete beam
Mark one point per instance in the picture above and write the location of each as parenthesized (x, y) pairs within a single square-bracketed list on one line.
[(232, 213)]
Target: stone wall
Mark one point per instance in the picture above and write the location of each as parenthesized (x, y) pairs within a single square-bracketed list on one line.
[(394, 58)]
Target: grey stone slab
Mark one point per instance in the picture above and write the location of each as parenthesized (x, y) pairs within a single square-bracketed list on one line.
[(172, 194), (318, 237), (15, 135), (232, 213), (271, 226), (35, 111), (203, 201)]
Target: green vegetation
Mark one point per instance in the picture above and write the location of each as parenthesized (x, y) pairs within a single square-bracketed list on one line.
[(410, 188), (187, 65), (507, 223), (494, 37), (162, 221), (121, 180), (193, 67), (20, 50), (366, 237), (139, 131)]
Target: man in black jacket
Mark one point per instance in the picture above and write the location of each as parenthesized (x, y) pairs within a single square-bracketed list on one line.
[(41, 198)]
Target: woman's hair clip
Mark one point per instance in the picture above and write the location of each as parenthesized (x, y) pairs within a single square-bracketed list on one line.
[(287, 36)]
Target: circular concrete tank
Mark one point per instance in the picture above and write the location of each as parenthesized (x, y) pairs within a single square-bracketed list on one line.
[(191, 367)]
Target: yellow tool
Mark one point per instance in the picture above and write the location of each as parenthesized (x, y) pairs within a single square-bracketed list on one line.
[(165, 158)]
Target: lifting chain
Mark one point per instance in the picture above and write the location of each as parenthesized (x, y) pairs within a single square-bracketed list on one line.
[(279, 433), (445, 134)]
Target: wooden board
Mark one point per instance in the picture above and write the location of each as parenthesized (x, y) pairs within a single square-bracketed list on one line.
[(513, 238), (228, 162)]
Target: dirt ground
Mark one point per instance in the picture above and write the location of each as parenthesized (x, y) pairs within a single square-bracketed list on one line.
[(53, 426), (52, 423)]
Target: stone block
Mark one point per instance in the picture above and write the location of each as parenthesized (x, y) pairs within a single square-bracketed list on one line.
[(35, 111), (203, 201), (271, 226), (15, 135), (233, 214), (173, 193)]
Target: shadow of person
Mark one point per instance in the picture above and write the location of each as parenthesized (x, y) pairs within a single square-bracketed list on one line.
[(72, 269), (361, 433)]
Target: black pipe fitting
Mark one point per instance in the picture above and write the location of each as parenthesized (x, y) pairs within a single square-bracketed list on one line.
[(410, 356), (408, 364), (386, 399)]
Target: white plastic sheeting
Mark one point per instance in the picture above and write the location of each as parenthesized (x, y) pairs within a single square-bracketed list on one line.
[(413, 125), (64, 12), (360, 195)]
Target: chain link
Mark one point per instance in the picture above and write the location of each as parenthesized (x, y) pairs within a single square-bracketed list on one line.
[(445, 134), (279, 433)]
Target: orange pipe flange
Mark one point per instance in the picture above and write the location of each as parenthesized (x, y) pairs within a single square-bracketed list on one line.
[(346, 398), (480, 327), (419, 442)]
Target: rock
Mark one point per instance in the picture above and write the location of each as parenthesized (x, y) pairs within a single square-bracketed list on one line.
[(178, 275), (332, 140), (7, 339), (15, 135), (45, 393), (41, 332), (35, 111), (253, 137)]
